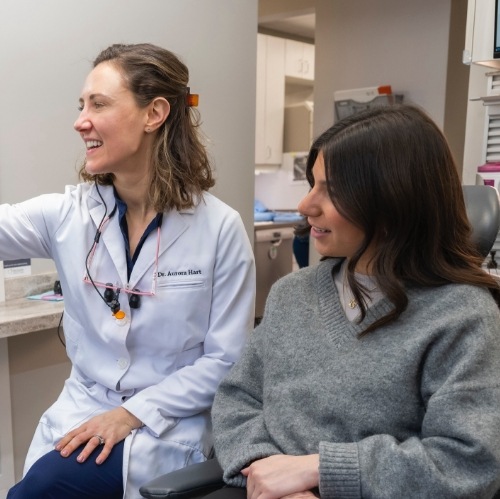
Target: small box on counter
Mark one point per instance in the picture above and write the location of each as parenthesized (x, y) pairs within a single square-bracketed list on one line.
[(16, 268)]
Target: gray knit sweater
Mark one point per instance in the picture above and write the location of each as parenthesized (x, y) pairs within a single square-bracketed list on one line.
[(410, 410)]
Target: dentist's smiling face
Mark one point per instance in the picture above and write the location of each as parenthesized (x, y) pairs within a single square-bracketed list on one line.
[(111, 123), (333, 234)]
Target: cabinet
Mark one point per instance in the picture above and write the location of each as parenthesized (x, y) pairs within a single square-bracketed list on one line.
[(479, 34), (27, 387), (299, 60), (273, 259), (6, 445), (270, 100)]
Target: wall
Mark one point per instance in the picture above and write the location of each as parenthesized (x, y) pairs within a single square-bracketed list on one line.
[(414, 46), (47, 49), (278, 190), (278, 9), (403, 44), (457, 84)]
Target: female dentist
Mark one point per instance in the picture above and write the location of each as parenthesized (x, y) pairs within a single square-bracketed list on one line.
[(158, 280)]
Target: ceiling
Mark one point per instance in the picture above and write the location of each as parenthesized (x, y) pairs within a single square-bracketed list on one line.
[(299, 26)]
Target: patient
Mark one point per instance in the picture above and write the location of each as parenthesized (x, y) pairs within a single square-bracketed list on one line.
[(375, 373)]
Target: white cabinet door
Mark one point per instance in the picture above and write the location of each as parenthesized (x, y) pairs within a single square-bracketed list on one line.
[(261, 151), (293, 58), (270, 106), (479, 35), (308, 61), (299, 60)]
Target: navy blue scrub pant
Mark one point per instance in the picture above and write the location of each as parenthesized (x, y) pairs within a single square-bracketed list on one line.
[(228, 493), (57, 477)]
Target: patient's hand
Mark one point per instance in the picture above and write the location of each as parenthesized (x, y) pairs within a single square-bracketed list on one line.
[(280, 476)]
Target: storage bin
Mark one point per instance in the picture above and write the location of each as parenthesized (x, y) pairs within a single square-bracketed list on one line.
[(490, 173)]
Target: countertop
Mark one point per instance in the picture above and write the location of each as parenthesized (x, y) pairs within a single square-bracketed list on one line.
[(273, 225), (19, 315), (284, 218)]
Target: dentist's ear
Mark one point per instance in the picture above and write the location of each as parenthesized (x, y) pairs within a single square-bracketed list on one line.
[(158, 112)]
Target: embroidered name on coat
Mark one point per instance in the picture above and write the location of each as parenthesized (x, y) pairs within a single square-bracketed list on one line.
[(181, 272)]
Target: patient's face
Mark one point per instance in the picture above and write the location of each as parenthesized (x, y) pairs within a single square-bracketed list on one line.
[(333, 234)]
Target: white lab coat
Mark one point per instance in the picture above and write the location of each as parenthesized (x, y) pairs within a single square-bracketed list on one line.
[(164, 362)]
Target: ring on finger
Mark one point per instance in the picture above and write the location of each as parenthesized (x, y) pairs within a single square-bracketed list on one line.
[(101, 440)]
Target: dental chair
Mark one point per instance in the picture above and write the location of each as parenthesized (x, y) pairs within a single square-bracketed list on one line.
[(483, 211), (198, 480)]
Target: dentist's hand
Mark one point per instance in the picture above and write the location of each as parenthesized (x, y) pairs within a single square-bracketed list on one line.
[(105, 429)]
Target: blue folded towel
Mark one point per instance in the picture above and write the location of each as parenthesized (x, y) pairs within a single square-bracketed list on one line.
[(287, 217), (266, 216), (258, 206), (262, 214)]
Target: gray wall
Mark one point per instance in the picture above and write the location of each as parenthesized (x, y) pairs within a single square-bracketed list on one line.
[(457, 84), (405, 44), (363, 43), (47, 47)]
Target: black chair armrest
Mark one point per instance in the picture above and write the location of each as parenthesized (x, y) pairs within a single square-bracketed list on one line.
[(190, 482)]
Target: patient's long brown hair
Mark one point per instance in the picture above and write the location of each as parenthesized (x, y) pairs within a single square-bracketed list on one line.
[(390, 172)]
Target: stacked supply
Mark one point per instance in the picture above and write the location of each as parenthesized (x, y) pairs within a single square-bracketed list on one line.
[(262, 214), (348, 102)]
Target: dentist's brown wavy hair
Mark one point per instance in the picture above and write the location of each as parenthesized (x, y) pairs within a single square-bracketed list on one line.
[(181, 170), (390, 172)]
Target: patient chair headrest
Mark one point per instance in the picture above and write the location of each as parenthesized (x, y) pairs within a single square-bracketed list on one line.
[(483, 210)]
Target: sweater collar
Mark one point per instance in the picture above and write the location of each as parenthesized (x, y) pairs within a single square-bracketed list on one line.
[(334, 319)]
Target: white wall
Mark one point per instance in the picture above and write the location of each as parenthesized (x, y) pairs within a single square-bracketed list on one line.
[(47, 49), (278, 190)]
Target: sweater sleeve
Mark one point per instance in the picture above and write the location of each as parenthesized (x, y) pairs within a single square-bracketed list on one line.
[(456, 453), (240, 435)]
